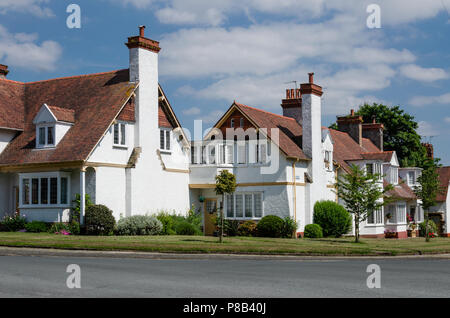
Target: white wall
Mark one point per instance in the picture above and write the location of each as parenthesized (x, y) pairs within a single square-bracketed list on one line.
[(5, 137)]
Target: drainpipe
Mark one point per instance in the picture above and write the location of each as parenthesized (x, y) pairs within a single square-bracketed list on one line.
[(295, 191), (82, 194)]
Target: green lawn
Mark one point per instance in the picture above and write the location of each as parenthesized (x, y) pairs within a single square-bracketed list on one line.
[(242, 245)]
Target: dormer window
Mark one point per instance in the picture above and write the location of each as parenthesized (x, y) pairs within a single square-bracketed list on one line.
[(411, 178), (46, 136), (52, 123)]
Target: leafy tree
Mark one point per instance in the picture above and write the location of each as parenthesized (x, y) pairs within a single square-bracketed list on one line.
[(361, 193), (400, 132), (225, 184), (427, 189)]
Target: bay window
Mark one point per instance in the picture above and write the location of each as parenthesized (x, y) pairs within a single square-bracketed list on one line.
[(47, 189), (397, 213), (244, 205), (376, 217)]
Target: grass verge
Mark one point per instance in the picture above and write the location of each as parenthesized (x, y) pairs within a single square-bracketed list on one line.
[(233, 245)]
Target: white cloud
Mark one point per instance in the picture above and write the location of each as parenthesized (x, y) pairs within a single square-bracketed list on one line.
[(139, 4), (447, 120), (426, 129), (422, 74), (393, 12), (443, 99), (21, 50), (192, 111), (34, 7)]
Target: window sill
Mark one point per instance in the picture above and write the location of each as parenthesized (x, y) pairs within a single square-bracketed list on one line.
[(120, 146), (45, 148), (166, 152), (45, 206)]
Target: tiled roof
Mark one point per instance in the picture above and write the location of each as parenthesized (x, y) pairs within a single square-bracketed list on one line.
[(444, 178), (94, 99), (400, 191), (11, 104), (347, 149), (63, 114), (290, 130), (384, 156)]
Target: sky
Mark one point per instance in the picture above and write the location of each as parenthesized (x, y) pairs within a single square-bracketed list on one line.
[(216, 51)]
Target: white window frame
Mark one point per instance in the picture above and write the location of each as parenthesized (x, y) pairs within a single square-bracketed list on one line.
[(378, 218), (44, 175), (393, 175), (45, 144), (167, 134), (413, 181), (243, 194), (119, 144), (398, 214)]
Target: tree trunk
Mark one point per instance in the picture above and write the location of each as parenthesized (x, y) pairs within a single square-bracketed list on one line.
[(427, 237), (221, 219), (356, 229)]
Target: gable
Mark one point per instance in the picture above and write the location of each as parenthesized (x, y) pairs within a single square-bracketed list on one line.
[(96, 99), (44, 115)]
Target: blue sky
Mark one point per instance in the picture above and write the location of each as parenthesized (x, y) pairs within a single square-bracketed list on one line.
[(214, 52)]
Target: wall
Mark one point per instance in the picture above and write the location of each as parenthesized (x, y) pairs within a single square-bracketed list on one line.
[(5, 137)]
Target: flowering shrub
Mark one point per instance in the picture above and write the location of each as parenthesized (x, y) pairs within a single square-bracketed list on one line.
[(59, 228), (390, 234), (13, 223), (139, 225), (63, 232)]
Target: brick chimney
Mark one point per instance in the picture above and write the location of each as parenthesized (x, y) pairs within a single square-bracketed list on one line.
[(352, 125), (292, 105), (311, 119), (374, 132), (3, 71)]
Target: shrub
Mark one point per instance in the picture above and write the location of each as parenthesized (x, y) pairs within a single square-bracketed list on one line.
[(432, 228), (168, 222), (270, 226), (37, 227), (58, 227), (99, 220), (334, 219), (248, 228), (289, 228), (186, 228), (74, 227), (313, 231), (230, 227), (139, 225), (13, 223)]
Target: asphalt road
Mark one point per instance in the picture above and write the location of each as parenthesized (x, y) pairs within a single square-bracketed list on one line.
[(45, 276)]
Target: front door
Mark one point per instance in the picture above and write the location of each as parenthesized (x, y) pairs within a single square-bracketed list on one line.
[(210, 211)]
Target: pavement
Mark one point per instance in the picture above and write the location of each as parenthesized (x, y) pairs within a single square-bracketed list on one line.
[(43, 273)]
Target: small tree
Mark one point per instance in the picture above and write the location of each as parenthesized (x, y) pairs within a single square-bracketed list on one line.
[(427, 189), (225, 184), (361, 193)]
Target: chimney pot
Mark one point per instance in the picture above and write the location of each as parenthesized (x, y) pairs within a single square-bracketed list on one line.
[(3, 71), (142, 31), (311, 78), (352, 112)]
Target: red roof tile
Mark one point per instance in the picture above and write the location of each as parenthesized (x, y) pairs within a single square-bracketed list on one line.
[(444, 178), (290, 130), (95, 100), (400, 191), (11, 104), (63, 114)]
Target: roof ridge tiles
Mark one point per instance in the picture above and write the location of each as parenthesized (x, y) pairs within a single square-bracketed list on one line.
[(75, 76)]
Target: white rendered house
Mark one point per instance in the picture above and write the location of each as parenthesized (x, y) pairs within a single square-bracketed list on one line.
[(285, 163), (111, 135)]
